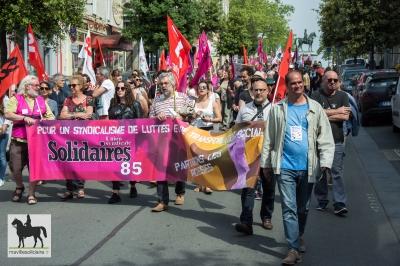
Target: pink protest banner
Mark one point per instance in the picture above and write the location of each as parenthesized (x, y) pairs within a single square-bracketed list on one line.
[(145, 150)]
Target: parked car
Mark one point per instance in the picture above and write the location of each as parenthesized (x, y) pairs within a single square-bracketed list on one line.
[(347, 76), (358, 82), (344, 67), (360, 61), (394, 92), (374, 100)]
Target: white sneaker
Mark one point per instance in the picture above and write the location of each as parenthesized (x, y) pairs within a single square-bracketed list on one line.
[(1, 183)]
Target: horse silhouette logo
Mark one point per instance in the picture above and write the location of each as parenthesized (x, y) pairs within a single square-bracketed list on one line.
[(36, 226), (24, 231)]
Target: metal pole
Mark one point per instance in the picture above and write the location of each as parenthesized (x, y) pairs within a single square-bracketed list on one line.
[(26, 51)]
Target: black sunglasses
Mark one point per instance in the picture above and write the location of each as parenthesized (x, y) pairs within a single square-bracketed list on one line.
[(44, 88), (334, 80), (73, 85), (131, 82), (121, 88)]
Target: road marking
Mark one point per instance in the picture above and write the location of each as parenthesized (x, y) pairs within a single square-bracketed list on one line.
[(372, 200)]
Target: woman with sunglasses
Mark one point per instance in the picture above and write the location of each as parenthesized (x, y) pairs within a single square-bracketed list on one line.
[(124, 105), (45, 92), (207, 112), (78, 106)]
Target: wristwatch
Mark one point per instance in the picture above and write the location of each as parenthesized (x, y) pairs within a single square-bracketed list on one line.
[(72, 116)]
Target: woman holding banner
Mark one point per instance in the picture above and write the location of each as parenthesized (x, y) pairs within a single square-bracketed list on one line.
[(77, 106), (207, 112), (124, 105)]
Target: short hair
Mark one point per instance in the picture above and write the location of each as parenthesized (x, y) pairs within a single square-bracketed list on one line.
[(116, 73), (104, 71), (87, 78), (288, 75), (57, 77), (324, 76), (249, 69), (169, 76), (80, 68), (45, 83), (274, 65), (25, 81), (81, 81), (137, 71)]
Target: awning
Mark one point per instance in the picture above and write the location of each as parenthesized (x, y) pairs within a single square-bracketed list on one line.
[(113, 42)]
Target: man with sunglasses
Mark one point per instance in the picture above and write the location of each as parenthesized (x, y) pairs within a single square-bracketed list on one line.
[(257, 110), (337, 107), (104, 90)]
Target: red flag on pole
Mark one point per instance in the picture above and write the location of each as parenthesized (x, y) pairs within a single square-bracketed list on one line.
[(283, 70), (246, 60), (99, 58), (179, 47), (163, 64), (13, 71), (34, 56)]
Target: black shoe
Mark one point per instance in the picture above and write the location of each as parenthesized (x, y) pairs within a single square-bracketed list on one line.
[(114, 198), (322, 206), (340, 208), (133, 192), (243, 228)]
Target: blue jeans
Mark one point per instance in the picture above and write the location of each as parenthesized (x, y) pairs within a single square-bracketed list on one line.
[(3, 160), (267, 203), (338, 187), (295, 197)]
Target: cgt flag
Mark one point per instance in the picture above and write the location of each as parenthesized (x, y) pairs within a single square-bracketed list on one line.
[(283, 70), (13, 71), (163, 64), (34, 56), (99, 58), (142, 58), (86, 53), (245, 58), (179, 48)]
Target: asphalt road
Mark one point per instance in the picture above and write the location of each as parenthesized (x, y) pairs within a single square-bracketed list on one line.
[(91, 232)]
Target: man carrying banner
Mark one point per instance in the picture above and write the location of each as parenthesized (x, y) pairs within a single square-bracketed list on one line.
[(257, 110), (298, 145), (104, 90), (23, 109), (167, 105)]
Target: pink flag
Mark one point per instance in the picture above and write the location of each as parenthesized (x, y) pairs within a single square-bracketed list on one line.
[(265, 57), (190, 67), (233, 68), (204, 62), (260, 52)]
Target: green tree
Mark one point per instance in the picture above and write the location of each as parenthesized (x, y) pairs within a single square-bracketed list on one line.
[(359, 27), (258, 18), (213, 17), (50, 19), (148, 19)]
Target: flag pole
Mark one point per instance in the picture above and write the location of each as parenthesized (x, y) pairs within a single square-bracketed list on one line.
[(276, 89)]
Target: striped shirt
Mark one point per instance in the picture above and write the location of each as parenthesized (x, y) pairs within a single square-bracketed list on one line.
[(161, 104)]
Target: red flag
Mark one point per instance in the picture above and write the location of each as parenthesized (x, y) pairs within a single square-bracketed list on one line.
[(283, 70), (179, 47), (13, 71), (34, 56), (246, 60), (233, 68), (163, 64), (260, 52), (99, 58)]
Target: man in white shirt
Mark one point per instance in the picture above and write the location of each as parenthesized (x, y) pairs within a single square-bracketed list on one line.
[(104, 91), (257, 110)]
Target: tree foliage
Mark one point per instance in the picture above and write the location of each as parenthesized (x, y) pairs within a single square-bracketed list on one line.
[(248, 19), (359, 26), (50, 19), (211, 23), (148, 19)]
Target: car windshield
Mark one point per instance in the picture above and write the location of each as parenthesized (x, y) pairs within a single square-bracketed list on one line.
[(350, 75), (358, 61), (383, 82)]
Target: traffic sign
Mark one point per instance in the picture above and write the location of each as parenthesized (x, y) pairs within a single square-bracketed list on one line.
[(74, 48)]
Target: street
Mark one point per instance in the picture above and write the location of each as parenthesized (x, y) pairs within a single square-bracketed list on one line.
[(201, 232)]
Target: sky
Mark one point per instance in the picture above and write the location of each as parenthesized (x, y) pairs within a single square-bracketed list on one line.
[(303, 18)]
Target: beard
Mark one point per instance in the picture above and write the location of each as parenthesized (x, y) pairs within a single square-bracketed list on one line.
[(32, 93), (167, 93)]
